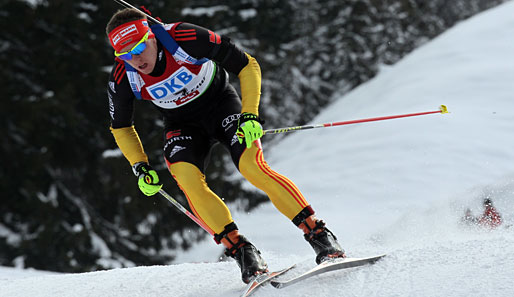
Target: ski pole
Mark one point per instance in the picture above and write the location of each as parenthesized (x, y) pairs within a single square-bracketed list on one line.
[(442, 110), (186, 212), (128, 5)]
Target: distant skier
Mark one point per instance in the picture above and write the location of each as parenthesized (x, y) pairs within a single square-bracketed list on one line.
[(181, 68), (491, 217), (469, 218)]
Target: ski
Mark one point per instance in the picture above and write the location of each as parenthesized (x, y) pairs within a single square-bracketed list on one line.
[(329, 265), (262, 279)]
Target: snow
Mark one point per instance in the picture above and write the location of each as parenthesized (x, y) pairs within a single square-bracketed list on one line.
[(11, 237), (9, 273), (201, 11), (34, 3), (397, 187)]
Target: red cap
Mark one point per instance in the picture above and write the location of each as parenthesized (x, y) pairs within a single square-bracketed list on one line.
[(128, 33)]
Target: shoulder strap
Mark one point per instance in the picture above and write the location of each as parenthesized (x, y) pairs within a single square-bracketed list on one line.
[(172, 46), (133, 78)]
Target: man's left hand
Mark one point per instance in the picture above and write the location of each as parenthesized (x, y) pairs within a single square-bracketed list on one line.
[(249, 128)]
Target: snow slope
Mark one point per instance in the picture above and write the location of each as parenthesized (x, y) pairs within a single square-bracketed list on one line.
[(397, 186)]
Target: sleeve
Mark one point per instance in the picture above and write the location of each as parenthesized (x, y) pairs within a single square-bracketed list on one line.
[(200, 42), (250, 80), (121, 110)]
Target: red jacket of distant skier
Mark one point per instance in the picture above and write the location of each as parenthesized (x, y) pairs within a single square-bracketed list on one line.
[(490, 218)]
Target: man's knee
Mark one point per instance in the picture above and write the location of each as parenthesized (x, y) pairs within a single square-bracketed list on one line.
[(188, 176), (251, 163)]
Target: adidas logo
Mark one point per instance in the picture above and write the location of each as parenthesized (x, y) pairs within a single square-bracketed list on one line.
[(112, 86), (176, 149)]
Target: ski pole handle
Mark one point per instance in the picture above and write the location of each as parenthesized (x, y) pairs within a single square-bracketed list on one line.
[(442, 110), (186, 212)]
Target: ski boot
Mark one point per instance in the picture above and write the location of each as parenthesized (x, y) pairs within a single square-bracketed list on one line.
[(247, 256), (322, 240)]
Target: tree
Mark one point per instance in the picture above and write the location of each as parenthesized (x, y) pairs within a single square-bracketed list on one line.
[(69, 199)]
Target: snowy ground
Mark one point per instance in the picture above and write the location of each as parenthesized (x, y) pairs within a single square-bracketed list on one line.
[(396, 187)]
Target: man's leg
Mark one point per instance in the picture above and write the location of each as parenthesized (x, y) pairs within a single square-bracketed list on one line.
[(185, 152), (204, 203), (288, 199), (209, 208)]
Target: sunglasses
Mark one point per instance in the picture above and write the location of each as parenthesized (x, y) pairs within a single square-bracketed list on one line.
[(136, 50)]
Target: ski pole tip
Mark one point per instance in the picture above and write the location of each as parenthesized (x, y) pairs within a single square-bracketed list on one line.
[(443, 109)]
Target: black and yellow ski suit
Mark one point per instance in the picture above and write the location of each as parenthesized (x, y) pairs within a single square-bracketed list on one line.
[(192, 129)]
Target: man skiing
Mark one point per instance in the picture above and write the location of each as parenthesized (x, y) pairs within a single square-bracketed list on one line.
[(491, 218), (182, 69)]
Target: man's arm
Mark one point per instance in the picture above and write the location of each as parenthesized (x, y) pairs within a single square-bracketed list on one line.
[(200, 42), (121, 109)]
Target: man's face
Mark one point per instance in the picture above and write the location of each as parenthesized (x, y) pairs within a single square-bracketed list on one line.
[(144, 62)]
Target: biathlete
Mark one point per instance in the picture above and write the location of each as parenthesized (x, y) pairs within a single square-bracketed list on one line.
[(182, 69)]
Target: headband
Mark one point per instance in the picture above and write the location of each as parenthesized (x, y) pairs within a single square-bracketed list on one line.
[(128, 33)]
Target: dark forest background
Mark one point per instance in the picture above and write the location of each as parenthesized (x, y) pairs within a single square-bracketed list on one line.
[(69, 201)]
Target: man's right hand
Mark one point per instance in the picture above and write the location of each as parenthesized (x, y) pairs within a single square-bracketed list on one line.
[(148, 181)]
